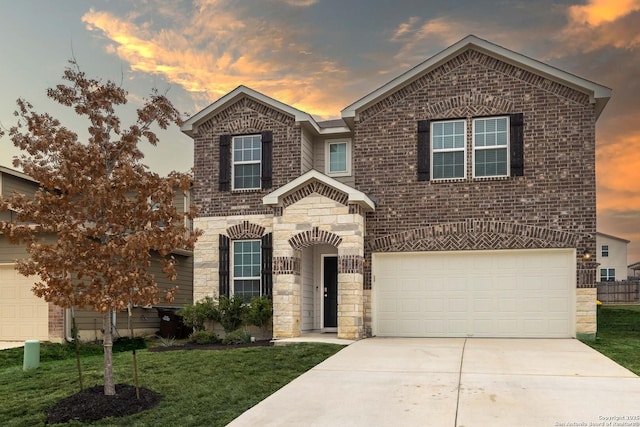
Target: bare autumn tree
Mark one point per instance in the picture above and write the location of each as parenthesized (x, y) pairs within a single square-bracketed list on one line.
[(107, 211)]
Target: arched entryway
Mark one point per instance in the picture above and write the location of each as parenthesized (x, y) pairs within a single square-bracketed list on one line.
[(318, 243)]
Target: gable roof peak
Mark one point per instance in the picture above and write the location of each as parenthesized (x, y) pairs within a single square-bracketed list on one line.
[(598, 94)]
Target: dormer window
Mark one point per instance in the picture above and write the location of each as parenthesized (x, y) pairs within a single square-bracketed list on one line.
[(338, 157)]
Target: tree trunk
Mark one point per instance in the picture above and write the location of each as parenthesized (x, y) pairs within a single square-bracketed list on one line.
[(109, 386)]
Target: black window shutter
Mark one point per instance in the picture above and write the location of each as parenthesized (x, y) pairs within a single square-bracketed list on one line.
[(424, 144), (517, 144), (225, 163), (267, 144), (223, 266), (266, 272)]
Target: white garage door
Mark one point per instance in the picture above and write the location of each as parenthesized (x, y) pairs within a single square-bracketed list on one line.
[(516, 293), (22, 315)]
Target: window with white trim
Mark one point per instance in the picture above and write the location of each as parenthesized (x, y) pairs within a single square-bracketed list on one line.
[(338, 158), (247, 260), (605, 250), (448, 142), (491, 146), (247, 155), (607, 274)]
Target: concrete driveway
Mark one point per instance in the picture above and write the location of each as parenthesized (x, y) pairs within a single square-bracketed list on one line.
[(456, 382)]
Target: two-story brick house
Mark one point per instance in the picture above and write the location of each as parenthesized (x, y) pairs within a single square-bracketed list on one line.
[(456, 200)]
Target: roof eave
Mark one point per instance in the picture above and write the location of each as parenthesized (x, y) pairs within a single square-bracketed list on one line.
[(354, 196), (190, 125)]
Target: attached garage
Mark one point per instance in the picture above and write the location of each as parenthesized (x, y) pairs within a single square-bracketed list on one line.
[(22, 315), (506, 293)]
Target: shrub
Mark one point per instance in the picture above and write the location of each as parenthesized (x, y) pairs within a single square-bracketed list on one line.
[(194, 315), (260, 312), (232, 312), (204, 337), (239, 336)]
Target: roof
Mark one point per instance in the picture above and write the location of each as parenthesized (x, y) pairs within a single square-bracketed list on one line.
[(355, 196), (598, 94), (9, 171), (613, 237), (328, 127), (635, 266)]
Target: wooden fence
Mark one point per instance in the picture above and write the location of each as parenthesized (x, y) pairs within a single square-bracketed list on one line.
[(627, 291)]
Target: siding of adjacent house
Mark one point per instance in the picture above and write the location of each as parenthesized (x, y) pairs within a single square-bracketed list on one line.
[(87, 320), (557, 191), (141, 318)]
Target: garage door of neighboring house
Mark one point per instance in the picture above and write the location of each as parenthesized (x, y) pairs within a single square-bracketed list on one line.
[(22, 315), (511, 293)]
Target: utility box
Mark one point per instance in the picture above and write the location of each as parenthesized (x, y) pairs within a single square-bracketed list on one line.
[(31, 355)]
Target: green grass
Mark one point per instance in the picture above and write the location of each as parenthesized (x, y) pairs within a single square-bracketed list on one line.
[(618, 335), (199, 387)]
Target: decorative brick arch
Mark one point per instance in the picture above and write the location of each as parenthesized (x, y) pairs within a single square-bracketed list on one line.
[(315, 236), (319, 188), (245, 230), (470, 104), (234, 119), (474, 235)]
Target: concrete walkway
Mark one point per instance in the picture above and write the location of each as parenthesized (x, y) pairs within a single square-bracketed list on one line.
[(456, 382), (10, 344)]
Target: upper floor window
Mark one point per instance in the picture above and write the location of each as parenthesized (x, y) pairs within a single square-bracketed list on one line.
[(605, 250), (491, 146), (338, 158), (495, 147), (247, 155), (448, 146), (246, 161)]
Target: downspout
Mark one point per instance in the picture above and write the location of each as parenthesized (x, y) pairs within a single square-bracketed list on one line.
[(66, 321)]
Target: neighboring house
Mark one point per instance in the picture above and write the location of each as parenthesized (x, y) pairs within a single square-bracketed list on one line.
[(611, 255), (25, 316), (456, 200), (634, 270)]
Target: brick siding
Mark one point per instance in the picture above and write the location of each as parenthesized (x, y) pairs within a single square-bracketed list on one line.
[(244, 117), (556, 195)]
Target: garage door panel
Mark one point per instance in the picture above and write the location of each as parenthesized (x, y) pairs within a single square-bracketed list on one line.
[(22, 315), (527, 293)]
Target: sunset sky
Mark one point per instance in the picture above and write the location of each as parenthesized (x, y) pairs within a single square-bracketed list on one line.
[(320, 56)]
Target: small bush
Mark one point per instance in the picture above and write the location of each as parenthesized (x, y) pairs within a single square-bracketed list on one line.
[(260, 312), (239, 336), (232, 312), (204, 337), (194, 315)]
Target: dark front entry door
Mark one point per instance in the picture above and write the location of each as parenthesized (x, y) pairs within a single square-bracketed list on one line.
[(330, 292)]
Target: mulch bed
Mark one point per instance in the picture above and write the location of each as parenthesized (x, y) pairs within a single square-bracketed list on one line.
[(91, 404), (191, 346)]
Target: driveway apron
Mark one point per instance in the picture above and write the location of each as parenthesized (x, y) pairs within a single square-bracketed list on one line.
[(456, 382)]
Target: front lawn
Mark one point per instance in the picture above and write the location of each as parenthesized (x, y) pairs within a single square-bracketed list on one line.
[(619, 335), (198, 387)]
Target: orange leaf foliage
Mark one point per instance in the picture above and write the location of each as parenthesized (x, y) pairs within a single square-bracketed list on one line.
[(99, 213)]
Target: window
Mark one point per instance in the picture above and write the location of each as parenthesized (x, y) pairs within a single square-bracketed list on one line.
[(338, 158), (246, 268), (605, 250), (448, 145), (247, 154), (491, 147), (495, 148), (607, 274)]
